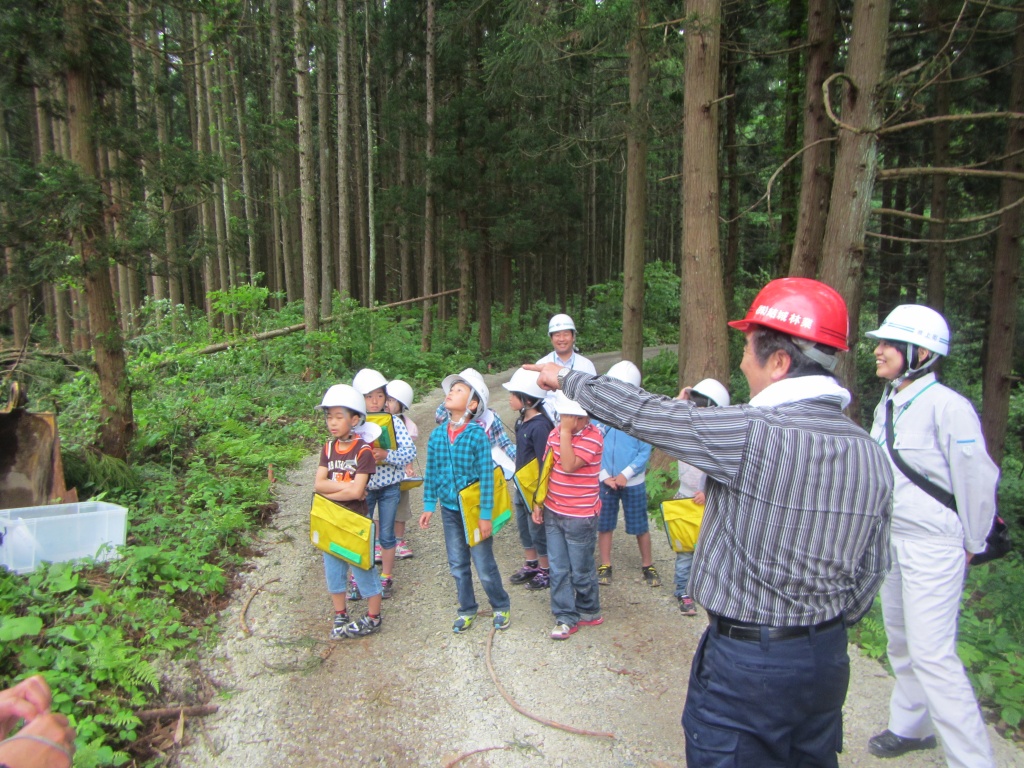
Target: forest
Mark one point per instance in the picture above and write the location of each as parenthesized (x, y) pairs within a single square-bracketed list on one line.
[(209, 209)]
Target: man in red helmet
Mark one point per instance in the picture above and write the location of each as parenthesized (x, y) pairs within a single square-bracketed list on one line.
[(794, 543)]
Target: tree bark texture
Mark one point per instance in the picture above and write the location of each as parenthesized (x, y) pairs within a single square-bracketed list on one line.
[(1002, 325), (307, 180), (856, 163), (429, 214), (636, 193), (816, 161), (703, 346), (117, 421)]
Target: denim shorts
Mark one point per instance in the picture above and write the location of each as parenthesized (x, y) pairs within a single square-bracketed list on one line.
[(634, 508), (336, 571), (385, 502)]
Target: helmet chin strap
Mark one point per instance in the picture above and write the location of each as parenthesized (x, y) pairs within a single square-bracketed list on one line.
[(828, 362), (913, 373)]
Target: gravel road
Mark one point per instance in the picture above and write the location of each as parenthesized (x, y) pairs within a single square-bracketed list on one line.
[(417, 695)]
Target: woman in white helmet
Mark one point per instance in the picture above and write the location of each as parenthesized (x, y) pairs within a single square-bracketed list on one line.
[(936, 434), (562, 332)]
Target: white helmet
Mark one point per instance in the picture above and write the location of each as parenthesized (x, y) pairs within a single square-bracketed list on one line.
[(525, 382), (366, 380), (712, 389), (625, 371), (915, 324), (561, 323), (399, 390), (473, 378), (344, 396), (567, 407)]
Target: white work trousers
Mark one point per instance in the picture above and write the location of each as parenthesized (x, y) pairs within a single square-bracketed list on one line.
[(920, 603)]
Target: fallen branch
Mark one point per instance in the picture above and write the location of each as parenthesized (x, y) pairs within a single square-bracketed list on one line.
[(464, 755), (241, 619), (199, 710), (543, 720)]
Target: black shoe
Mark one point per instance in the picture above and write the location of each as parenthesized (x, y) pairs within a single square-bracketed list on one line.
[(888, 744)]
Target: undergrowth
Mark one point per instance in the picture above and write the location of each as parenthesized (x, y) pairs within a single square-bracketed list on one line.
[(196, 486)]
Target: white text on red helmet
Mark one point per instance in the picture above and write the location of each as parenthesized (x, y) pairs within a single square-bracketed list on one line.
[(784, 316)]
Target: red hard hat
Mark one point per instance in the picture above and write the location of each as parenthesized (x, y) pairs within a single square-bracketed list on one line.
[(801, 307)]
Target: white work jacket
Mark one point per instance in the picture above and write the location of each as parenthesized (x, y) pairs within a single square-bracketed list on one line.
[(938, 433)]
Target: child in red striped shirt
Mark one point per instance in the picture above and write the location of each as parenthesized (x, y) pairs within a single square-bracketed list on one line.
[(570, 514)]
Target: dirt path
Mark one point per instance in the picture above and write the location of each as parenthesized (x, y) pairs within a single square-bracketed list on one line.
[(417, 695)]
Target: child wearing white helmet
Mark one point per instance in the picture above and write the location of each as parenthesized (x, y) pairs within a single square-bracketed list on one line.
[(458, 455), (346, 465), (384, 490), (624, 479), (398, 402), (532, 430), (562, 332), (706, 393), (569, 513)]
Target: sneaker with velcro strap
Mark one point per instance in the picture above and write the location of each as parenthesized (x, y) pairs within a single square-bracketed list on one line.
[(462, 624), (367, 625), (524, 574)]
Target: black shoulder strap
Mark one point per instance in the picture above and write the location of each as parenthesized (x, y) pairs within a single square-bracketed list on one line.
[(945, 499)]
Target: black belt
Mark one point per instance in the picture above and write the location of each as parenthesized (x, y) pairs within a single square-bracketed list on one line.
[(741, 631)]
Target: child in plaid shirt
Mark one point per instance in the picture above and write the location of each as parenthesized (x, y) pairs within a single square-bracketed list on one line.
[(459, 454)]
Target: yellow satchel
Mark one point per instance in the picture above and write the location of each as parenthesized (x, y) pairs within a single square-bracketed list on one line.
[(545, 479), (682, 523), (528, 480), (469, 505), (341, 532), (386, 422), (409, 482)]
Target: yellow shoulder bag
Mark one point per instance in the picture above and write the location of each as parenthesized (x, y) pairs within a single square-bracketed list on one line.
[(469, 505), (682, 523), (341, 532), (532, 480), (386, 422)]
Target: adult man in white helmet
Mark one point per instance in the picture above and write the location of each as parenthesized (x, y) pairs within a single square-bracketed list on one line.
[(936, 436), (562, 332)]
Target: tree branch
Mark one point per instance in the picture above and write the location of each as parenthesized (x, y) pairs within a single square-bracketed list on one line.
[(948, 119)]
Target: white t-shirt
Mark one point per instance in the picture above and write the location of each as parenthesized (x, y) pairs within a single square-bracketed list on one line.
[(577, 362)]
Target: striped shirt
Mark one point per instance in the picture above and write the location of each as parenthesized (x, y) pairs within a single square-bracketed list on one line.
[(799, 499), (392, 469), (451, 466), (576, 493)]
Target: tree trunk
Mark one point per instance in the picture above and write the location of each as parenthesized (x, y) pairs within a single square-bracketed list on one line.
[(429, 222), (465, 270), (116, 419), (344, 185), (940, 159), (371, 145), (816, 168), (788, 199), (703, 345), (483, 292), (20, 305), (731, 260), (323, 86), (279, 111), (636, 193), (856, 163), (1002, 326), (307, 182), (404, 243), (166, 283), (247, 185), (359, 179)]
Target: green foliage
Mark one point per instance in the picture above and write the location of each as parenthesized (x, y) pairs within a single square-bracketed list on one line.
[(661, 308)]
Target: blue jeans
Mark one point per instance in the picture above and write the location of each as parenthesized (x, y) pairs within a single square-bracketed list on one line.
[(573, 574), (385, 501), (460, 554), (336, 572), (531, 534), (773, 703), (684, 560)]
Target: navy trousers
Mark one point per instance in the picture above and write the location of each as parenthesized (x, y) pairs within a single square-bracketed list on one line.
[(767, 703)]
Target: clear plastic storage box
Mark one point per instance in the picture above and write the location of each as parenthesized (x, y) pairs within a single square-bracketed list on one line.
[(60, 532)]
